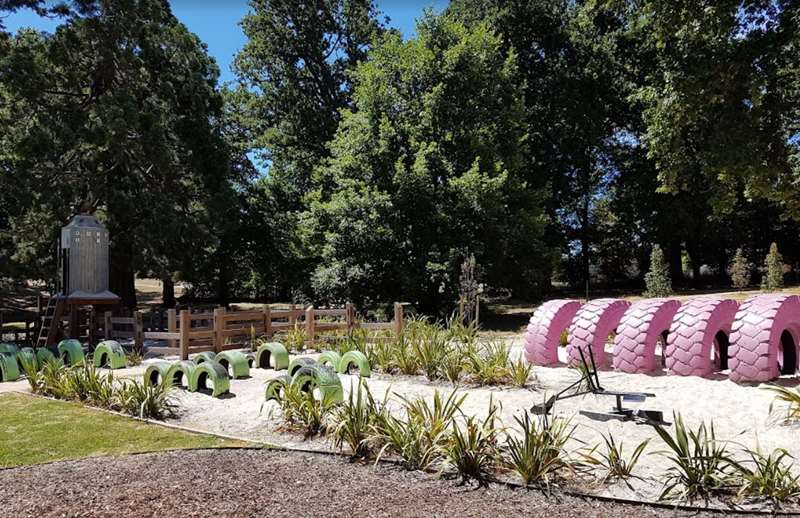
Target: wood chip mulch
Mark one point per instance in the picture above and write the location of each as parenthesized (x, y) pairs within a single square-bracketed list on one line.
[(242, 483)]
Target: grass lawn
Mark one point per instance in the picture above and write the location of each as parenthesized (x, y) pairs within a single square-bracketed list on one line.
[(35, 430)]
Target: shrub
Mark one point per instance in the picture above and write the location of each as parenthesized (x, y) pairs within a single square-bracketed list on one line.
[(701, 465), (295, 339), (769, 478), (453, 364), (460, 332), (303, 411), (420, 437), (539, 456), (788, 396), (657, 280), (353, 419), (404, 357), (134, 358), (31, 370), (520, 372), (472, 449), (740, 270), (381, 355), (145, 400), (612, 460), (773, 270), (489, 364)]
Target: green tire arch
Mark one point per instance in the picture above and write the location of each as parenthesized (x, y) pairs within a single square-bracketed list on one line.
[(180, 370), (276, 386), (299, 363), (213, 371), (71, 352), (158, 372), (235, 363), (27, 355), (272, 354), (251, 359), (8, 348), (331, 358), (110, 353), (203, 357), (9, 370), (44, 355), (323, 379), (358, 359)]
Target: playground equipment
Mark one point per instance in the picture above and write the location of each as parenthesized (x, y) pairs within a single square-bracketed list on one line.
[(110, 354), (330, 358), (8, 348), (589, 383), (355, 359), (9, 370), (323, 381), (757, 341), (272, 354), (213, 372), (71, 352), (44, 355), (204, 357), (27, 355), (180, 373), (276, 387), (157, 372), (299, 363), (235, 363)]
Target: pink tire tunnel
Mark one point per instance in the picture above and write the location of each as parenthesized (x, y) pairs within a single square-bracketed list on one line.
[(591, 326), (764, 338), (644, 323), (547, 324), (701, 328)]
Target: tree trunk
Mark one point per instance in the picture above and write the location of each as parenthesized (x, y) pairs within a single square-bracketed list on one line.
[(168, 292), (675, 264), (121, 274)]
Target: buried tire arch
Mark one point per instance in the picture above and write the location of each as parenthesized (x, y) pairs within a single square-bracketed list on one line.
[(591, 327), (764, 338), (644, 323), (545, 328), (700, 328)]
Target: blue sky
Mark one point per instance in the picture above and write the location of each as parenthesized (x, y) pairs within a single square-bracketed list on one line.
[(216, 22)]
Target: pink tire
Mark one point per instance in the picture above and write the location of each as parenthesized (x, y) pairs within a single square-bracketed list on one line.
[(544, 330), (642, 325), (591, 326), (693, 336), (764, 338)]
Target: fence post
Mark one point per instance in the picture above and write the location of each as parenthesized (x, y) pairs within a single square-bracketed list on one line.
[(138, 332), (219, 327), (292, 318), (268, 320), (477, 310), (310, 325), (172, 325), (107, 325), (398, 318), (348, 317), (186, 325)]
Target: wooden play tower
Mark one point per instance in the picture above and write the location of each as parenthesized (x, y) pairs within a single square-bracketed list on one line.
[(83, 279)]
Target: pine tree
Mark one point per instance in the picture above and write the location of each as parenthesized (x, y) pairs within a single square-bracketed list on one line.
[(740, 270), (773, 270), (657, 280)]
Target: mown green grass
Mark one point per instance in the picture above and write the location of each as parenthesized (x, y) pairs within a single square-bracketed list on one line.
[(35, 430)]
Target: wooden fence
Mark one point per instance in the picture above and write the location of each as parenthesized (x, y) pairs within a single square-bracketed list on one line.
[(190, 332)]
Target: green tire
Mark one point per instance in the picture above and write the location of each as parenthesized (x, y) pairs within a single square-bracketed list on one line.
[(27, 355), (71, 352), (322, 378), (276, 386), (330, 358), (251, 359), (215, 373), (9, 348), (9, 370), (156, 373), (109, 353), (235, 364), (204, 357), (272, 355), (179, 371), (44, 355), (355, 359), (299, 363)]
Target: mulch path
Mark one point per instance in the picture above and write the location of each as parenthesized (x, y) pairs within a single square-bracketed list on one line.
[(268, 483)]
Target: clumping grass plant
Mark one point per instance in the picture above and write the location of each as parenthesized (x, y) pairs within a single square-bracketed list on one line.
[(489, 364), (354, 418), (612, 460), (768, 477), (520, 372), (303, 411), (788, 396), (472, 449)]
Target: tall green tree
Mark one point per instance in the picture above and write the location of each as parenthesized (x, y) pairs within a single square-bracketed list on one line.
[(427, 169), (122, 118)]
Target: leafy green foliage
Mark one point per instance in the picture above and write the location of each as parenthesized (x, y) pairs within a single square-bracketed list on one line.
[(658, 279), (355, 418), (612, 459), (769, 477), (301, 410), (539, 456), (701, 466), (788, 396), (740, 270), (773, 270), (520, 372), (472, 448), (489, 364)]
